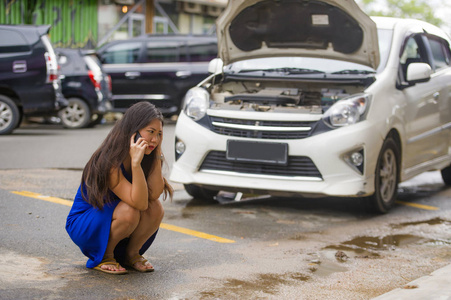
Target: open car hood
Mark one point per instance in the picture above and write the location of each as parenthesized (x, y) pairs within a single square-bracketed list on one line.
[(335, 29)]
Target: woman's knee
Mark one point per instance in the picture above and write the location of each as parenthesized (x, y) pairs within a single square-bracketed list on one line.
[(155, 211), (124, 213)]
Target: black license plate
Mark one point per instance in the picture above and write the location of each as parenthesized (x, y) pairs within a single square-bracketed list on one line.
[(262, 152)]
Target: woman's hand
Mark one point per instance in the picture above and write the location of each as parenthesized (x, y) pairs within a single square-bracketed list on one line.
[(137, 150)]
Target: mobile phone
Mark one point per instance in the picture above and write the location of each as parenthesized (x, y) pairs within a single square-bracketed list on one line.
[(137, 136)]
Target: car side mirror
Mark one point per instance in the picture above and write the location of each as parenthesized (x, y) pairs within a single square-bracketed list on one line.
[(418, 72), (215, 66)]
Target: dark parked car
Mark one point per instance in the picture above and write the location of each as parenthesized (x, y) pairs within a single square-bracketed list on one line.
[(85, 85), (156, 68), (29, 83)]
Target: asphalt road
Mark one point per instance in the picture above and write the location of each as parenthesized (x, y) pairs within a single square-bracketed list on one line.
[(267, 248)]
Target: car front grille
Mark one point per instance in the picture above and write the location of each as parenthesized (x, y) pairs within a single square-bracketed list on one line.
[(262, 129), (297, 166)]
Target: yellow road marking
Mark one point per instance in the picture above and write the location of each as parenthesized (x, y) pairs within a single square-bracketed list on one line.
[(198, 234), (416, 205), (45, 198)]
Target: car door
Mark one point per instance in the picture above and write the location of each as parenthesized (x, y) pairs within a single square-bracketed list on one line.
[(164, 65), (441, 58), (122, 62), (425, 139)]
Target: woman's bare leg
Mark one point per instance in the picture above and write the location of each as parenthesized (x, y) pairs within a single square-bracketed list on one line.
[(148, 224), (124, 222)]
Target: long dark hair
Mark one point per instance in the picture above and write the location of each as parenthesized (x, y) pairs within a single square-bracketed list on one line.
[(114, 150)]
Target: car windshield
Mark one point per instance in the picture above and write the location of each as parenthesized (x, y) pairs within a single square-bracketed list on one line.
[(310, 65)]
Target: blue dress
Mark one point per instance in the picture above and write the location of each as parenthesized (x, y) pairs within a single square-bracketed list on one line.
[(89, 228)]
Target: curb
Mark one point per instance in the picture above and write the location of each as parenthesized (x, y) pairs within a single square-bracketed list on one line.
[(435, 286)]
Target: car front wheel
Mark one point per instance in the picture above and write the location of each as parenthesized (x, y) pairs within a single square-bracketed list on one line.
[(9, 115), (386, 177), (200, 193), (76, 115)]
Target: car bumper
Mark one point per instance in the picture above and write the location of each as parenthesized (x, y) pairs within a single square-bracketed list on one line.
[(60, 101), (103, 105), (327, 151)]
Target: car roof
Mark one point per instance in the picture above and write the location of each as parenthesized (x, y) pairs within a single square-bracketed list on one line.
[(392, 23), (162, 37), (30, 32)]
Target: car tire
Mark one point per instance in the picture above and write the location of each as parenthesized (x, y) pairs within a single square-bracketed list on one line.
[(198, 192), (76, 115), (446, 175), (9, 115), (386, 177)]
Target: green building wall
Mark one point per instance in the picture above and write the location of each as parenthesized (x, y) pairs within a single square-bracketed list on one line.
[(74, 22)]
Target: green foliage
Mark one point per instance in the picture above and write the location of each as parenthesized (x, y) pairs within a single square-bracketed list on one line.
[(415, 9), (74, 22)]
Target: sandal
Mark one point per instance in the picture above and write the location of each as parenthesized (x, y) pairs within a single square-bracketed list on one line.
[(110, 261), (138, 258)]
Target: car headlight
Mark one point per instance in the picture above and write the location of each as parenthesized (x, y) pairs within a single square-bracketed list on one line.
[(348, 111), (196, 103)]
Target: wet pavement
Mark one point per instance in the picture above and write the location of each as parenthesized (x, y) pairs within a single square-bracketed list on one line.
[(284, 248)]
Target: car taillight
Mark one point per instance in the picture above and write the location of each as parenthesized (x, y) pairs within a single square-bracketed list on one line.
[(95, 82), (52, 77), (52, 67)]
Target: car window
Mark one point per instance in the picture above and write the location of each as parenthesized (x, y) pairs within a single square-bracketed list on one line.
[(384, 41), (412, 53), (165, 52), (440, 52), (202, 51), (122, 53), (12, 41)]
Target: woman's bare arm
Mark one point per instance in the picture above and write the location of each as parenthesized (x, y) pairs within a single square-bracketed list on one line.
[(155, 181), (135, 193)]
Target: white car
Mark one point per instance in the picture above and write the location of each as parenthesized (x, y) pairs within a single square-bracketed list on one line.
[(315, 98)]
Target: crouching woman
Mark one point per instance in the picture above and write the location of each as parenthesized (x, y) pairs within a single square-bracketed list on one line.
[(116, 212)]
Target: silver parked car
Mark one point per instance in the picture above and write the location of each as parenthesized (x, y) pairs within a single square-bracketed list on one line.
[(317, 99)]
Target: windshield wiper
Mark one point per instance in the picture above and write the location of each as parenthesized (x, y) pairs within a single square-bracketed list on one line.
[(354, 72), (284, 70)]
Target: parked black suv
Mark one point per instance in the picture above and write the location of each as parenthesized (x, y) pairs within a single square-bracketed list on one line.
[(156, 68), (29, 83), (85, 85)]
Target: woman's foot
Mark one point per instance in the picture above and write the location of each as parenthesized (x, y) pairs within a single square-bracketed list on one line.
[(110, 266), (140, 264)]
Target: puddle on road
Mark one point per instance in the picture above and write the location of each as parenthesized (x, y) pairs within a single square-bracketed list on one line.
[(267, 284), (326, 268), (367, 246), (435, 221), (417, 192)]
